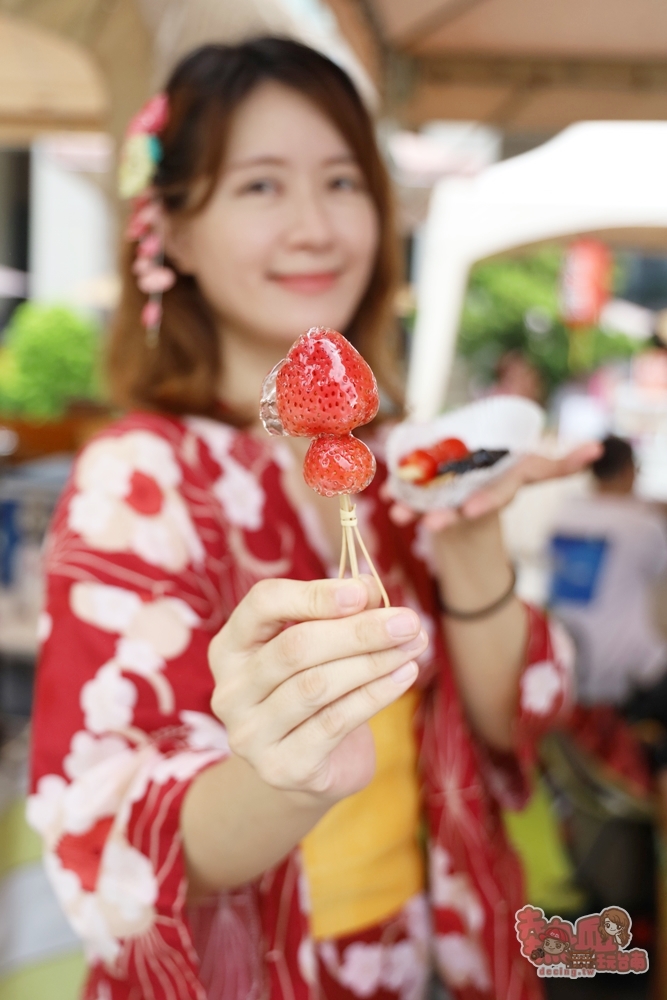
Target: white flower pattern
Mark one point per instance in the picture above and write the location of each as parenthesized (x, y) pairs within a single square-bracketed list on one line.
[(362, 968), (108, 700), (149, 634), (541, 684), (461, 961), (454, 890), (127, 500), (237, 489), (460, 957)]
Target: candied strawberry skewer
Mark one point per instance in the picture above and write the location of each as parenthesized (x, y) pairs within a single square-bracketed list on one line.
[(324, 389), (449, 457), (421, 466)]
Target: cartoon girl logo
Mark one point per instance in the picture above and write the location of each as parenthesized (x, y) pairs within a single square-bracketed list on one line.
[(615, 925), (597, 942)]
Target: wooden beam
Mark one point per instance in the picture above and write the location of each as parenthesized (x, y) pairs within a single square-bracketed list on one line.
[(411, 37), (618, 74)]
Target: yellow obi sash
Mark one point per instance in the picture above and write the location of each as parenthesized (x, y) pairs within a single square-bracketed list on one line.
[(363, 860)]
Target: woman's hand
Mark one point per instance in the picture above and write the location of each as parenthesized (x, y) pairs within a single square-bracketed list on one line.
[(473, 571), (495, 496), (295, 700)]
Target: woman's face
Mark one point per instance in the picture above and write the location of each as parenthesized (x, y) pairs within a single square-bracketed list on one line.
[(289, 238), (610, 926)]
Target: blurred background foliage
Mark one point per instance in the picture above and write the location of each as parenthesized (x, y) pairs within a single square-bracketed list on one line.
[(49, 358), (512, 304)]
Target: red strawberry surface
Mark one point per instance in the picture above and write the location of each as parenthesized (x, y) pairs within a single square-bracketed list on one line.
[(421, 466), (449, 450), (337, 464), (324, 386), (418, 467)]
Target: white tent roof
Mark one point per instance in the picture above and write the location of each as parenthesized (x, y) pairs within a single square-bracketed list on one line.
[(594, 176)]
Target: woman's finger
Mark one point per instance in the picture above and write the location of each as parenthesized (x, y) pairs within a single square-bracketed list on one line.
[(309, 644), (311, 743), (531, 469), (272, 604), (401, 514), (495, 496), (375, 599), (575, 461), (308, 692), (438, 520)]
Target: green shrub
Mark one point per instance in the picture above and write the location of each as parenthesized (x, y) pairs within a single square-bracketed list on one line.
[(512, 304), (49, 357)]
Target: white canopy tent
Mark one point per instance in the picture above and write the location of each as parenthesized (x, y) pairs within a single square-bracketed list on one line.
[(594, 177)]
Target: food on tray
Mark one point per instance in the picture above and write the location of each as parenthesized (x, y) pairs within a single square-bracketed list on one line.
[(438, 464), (421, 465), (443, 461)]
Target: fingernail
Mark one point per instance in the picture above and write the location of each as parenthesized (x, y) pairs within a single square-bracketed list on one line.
[(350, 596), (402, 626), (419, 642), (400, 515), (406, 673)]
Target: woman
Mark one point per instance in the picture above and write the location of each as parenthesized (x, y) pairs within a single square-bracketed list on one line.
[(293, 865), (615, 925)]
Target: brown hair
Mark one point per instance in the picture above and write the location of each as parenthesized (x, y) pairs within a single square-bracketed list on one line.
[(622, 921), (182, 373)]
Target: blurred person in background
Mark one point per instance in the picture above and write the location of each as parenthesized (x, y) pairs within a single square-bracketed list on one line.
[(292, 864), (516, 375), (609, 550)]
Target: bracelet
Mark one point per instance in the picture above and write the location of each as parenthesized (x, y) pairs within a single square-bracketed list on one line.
[(469, 616)]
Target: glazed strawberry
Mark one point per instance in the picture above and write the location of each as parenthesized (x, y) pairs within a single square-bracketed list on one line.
[(449, 450), (323, 386), (418, 467), (337, 464), (422, 465)]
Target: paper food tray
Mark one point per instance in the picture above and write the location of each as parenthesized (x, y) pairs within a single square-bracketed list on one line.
[(499, 422)]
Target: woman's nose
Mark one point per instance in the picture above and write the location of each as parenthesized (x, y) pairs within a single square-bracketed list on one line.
[(310, 222)]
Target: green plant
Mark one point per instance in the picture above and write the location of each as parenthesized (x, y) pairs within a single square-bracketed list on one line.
[(49, 357), (512, 304)]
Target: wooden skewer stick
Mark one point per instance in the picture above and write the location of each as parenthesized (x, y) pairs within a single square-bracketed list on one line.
[(351, 535)]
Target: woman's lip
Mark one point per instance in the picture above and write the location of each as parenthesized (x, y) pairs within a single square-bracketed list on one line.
[(307, 284)]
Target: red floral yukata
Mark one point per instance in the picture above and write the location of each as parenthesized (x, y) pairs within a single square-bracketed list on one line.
[(165, 525)]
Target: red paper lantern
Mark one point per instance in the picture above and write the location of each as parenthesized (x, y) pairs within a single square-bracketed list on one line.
[(585, 282)]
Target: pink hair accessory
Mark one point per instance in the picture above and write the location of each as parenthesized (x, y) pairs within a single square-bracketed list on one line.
[(149, 246), (142, 266), (152, 118), (146, 229), (151, 315), (140, 157), (156, 280), (144, 216)]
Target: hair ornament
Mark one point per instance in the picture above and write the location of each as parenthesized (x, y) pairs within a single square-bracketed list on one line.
[(142, 149), (140, 157)]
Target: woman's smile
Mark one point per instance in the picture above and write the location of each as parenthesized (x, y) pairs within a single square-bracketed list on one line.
[(312, 283)]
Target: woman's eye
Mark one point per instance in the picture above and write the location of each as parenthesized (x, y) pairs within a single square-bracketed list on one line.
[(345, 183), (262, 185)]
